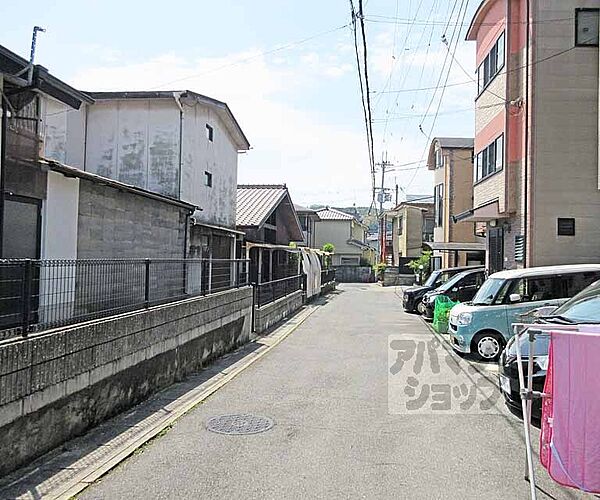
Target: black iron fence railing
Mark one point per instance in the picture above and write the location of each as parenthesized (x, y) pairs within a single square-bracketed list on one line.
[(265, 293), (327, 276), (39, 294)]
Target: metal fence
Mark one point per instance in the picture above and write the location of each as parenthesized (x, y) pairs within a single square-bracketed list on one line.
[(39, 294), (265, 293), (327, 276)]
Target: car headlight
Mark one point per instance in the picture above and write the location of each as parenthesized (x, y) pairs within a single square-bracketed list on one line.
[(464, 319)]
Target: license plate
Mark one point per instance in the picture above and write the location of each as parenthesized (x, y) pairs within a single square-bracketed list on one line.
[(505, 384)]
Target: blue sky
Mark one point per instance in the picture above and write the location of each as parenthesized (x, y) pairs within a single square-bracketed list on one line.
[(300, 106)]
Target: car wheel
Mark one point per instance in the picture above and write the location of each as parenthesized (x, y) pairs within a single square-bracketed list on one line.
[(420, 307), (487, 346)]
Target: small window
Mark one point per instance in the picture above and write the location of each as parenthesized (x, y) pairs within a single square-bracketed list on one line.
[(500, 152), (210, 133), (480, 229), (400, 225), (586, 27), (439, 159), (566, 226), (207, 179), (438, 197)]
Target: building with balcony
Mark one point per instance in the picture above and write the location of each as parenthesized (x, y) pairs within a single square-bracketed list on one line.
[(455, 243), (536, 175)]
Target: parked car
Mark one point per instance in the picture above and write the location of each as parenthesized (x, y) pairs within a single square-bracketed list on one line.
[(582, 309), (412, 296), (484, 326), (461, 287)]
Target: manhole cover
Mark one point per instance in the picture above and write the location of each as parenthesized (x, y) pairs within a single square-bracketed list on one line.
[(239, 424)]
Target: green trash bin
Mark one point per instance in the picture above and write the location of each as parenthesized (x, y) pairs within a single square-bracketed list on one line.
[(441, 313)]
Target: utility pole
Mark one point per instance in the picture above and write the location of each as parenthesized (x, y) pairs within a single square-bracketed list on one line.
[(383, 197)]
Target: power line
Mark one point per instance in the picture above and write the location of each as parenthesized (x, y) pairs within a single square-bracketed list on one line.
[(454, 38), (365, 90), (261, 54), (420, 89), (366, 70), (368, 126), (422, 22)]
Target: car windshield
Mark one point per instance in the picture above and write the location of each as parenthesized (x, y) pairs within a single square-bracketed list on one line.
[(451, 282), (488, 291), (583, 308), (432, 278)]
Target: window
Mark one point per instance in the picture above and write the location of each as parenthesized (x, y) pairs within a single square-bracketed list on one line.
[(438, 200), (400, 225), (428, 225), (207, 179), (480, 229), (491, 65), (540, 288), (566, 227), (575, 283), (439, 159), (303, 222), (586, 27), (210, 133), (490, 160)]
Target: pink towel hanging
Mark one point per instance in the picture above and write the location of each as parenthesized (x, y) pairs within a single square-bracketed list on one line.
[(570, 438)]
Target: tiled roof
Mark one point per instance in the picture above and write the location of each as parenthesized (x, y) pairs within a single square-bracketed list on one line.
[(256, 202), (333, 214)]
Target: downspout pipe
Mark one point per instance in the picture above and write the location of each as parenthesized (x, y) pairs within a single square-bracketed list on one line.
[(526, 186), (4, 131), (177, 97)]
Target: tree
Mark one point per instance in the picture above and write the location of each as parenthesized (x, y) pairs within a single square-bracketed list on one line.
[(421, 265), (329, 248)]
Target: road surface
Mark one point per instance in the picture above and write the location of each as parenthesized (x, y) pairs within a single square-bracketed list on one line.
[(352, 420)]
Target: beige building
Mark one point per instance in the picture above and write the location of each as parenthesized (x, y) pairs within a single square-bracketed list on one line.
[(347, 234), (454, 243), (412, 226), (536, 140)]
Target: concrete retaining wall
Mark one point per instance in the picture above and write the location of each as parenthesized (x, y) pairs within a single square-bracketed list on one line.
[(354, 274), (391, 277), (267, 316), (56, 385)]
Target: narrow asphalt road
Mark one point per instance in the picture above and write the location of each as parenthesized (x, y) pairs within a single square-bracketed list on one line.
[(366, 404)]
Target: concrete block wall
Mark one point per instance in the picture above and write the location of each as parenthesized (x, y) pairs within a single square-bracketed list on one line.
[(56, 385), (391, 277), (354, 274), (269, 315), (114, 224)]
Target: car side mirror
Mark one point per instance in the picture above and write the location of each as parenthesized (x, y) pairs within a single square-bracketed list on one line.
[(514, 297), (455, 289)]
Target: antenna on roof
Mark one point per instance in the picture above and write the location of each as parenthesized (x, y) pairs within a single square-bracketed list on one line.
[(32, 54)]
